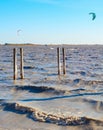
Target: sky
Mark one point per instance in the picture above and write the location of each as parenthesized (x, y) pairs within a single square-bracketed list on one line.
[(51, 21)]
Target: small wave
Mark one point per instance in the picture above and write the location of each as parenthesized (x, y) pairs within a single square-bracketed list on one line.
[(76, 81), (87, 82), (40, 89), (37, 115), (61, 97), (41, 116), (58, 92), (29, 67), (81, 73), (33, 67)]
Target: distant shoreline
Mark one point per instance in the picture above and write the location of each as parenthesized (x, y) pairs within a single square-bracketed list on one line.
[(31, 44), (19, 44)]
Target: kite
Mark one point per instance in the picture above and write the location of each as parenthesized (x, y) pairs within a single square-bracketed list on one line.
[(93, 15), (18, 31)]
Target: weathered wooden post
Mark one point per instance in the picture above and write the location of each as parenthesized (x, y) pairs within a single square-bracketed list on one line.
[(58, 60), (64, 64), (14, 64), (21, 64)]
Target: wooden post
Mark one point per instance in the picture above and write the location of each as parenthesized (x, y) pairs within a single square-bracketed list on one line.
[(14, 64), (64, 67), (21, 64), (58, 60)]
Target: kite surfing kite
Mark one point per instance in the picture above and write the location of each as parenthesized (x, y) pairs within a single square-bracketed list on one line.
[(18, 32), (93, 15)]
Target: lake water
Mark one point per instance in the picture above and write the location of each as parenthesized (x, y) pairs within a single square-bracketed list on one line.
[(71, 101)]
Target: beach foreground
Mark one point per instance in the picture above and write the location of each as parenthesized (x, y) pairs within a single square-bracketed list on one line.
[(45, 101)]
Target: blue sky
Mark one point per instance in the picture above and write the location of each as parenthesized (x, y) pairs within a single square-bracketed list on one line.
[(51, 21)]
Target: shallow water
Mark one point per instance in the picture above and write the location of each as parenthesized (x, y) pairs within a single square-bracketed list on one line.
[(74, 100)]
